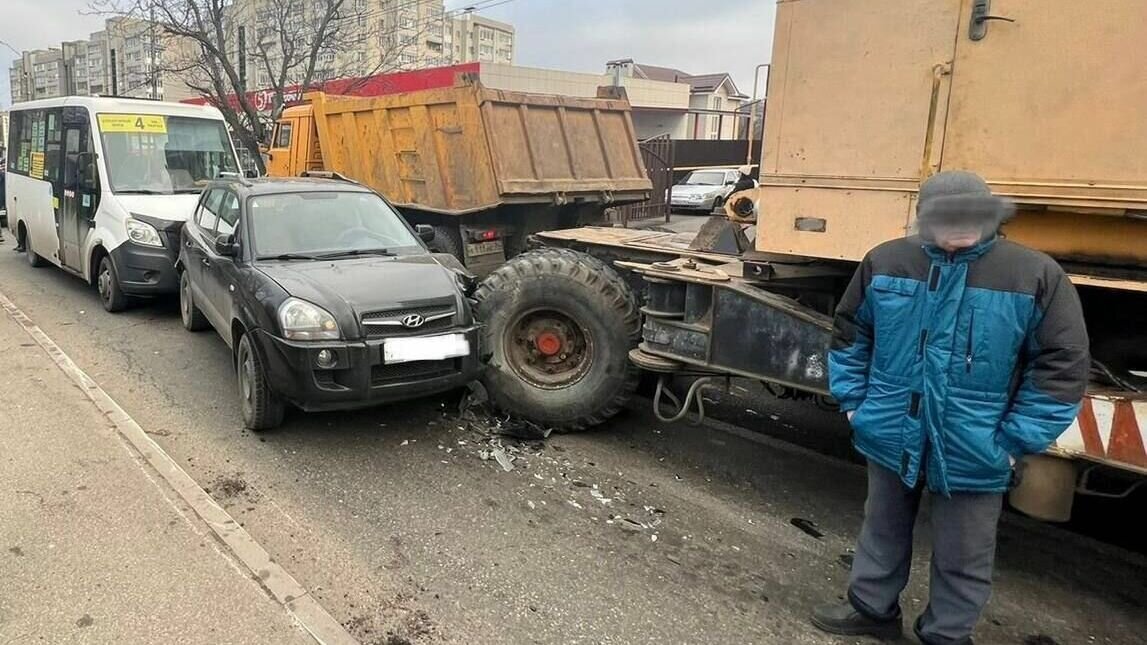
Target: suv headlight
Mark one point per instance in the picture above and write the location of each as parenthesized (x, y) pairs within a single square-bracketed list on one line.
[(142, 233), (301, 320)]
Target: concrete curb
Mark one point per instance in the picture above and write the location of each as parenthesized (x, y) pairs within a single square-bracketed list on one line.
[(278, 583)]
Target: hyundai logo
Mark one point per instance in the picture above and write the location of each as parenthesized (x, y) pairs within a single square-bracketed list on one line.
[(412, 321)]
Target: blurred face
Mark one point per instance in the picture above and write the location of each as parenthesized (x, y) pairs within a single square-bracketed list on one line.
[(956, 236)]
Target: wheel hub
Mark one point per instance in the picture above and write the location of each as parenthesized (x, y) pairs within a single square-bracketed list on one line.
[(548, 343), (104, 283), (548, 349)]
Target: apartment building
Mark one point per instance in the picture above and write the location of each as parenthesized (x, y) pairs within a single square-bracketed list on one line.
[(38, 74), (125, 58), (378, 36), (478, 39)]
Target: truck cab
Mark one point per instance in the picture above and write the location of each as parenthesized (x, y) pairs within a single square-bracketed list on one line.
[(294, 143)]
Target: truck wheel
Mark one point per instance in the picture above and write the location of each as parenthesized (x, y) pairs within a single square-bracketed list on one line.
[(447, 239), (558, 329)]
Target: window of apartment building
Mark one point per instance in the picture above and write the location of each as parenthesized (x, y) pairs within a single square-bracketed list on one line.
[(485, 34), (405, 20), (486, 50), (327, 57), (406, 39), (506, 40), (406, 59)]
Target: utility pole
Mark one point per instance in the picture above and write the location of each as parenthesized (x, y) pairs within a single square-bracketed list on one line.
[(153, 66), (115, 75), (243, 59)]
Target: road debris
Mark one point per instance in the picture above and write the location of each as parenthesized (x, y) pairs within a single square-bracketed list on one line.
[(808, 526), (504, 460)]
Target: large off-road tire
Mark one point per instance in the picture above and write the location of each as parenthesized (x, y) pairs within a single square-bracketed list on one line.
[(558, 329), (262, 408), (447, 239), (189, 312)]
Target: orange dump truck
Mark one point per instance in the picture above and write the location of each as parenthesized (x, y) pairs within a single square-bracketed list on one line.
[(485, 167)]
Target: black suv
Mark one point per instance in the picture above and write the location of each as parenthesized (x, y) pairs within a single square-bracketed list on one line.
[(327, 297)]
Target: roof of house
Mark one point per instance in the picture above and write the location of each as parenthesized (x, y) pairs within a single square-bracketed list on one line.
[(699, 83)]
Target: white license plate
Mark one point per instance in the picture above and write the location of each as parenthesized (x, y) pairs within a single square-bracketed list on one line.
[(483, 248), (424, 348)]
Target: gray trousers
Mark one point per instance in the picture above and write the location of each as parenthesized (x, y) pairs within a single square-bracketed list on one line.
[(963, 552)]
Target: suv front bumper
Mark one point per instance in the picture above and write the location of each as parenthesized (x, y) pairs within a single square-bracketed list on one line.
[(359, 378)]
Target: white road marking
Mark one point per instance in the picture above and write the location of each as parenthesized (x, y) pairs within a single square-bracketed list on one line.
[(275, 580)]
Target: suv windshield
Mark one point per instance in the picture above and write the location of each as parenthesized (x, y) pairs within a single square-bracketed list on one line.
[(327, 224), (151, 153), (705, 178)]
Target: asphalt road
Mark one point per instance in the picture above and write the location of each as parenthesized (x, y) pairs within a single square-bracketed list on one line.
[(634, 533)]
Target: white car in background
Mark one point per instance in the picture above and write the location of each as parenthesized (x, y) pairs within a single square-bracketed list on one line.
[(703, 190)]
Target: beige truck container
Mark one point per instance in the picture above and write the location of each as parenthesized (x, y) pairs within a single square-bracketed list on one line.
[(1045, 99)]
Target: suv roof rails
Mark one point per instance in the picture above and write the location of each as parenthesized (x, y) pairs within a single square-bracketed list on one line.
[(328, 174), (234, 176)]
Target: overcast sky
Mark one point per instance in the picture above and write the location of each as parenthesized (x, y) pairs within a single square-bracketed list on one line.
[(695, 36)]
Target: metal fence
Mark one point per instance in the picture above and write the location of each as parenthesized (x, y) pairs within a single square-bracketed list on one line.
[(657, 154)]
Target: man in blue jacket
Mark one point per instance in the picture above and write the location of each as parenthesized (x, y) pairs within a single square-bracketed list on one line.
[(954, 354)]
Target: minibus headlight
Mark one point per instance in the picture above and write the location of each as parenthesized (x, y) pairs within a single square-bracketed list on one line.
[(142, 233)]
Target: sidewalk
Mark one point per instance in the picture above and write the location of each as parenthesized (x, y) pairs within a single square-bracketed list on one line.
[(93, 548)]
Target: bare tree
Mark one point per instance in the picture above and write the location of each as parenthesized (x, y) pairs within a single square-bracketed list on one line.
[(292, 45)]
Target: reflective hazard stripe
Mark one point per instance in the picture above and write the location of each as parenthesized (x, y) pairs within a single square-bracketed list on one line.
[(1110, 430)]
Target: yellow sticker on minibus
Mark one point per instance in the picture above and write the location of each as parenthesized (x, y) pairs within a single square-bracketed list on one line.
[(149, 123)]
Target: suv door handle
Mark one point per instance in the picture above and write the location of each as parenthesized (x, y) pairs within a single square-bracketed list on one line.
[(205, 262)]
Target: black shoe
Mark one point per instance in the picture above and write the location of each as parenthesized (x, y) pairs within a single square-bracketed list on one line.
[(844, 620)]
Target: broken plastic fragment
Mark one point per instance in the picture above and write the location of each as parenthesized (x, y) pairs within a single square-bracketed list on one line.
[(504, 460)]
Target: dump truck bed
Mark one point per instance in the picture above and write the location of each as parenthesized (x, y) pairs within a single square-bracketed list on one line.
[(468, 148)]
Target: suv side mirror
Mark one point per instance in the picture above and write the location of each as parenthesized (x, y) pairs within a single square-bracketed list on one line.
[(425, 232), (251, 174), (226, 246)]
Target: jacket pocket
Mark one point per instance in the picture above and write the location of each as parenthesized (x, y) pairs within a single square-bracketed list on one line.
[(896, 310)]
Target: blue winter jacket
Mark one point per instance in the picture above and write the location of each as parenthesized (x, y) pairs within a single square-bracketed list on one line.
[(958, 360)]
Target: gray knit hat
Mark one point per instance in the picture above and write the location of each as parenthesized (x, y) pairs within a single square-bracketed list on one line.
[(960, 197)]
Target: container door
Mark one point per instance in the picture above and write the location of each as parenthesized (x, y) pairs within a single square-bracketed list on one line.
[(856, 99), (1048, 97)]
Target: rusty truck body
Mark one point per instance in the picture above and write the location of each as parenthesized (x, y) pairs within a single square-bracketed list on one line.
[(485, 167), (866, 100)]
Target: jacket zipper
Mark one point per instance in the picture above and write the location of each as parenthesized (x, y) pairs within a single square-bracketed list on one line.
[(923, 342), (971, 334)]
